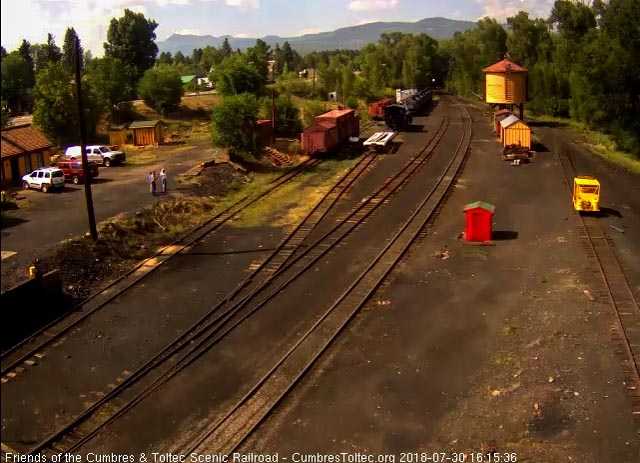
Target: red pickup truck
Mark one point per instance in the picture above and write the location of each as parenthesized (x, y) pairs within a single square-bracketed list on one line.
[(73, 170)]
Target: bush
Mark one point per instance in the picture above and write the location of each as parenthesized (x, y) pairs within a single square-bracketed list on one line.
[(161, 89), (314, 108), (297, 87), (353, 102), (287, 114), (233, 122)]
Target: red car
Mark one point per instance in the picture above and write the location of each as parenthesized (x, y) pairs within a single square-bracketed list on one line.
[(73, 170)]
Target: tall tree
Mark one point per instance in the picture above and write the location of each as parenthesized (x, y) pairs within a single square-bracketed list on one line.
[(16, 77), (233, 122), (46, 53), (226, 47), (259, 56), (68, 49), (529, 40), (113, 80), (3, 53), (25, 52), (161, 89), (236, 75), (165, 58), (196, 56), (131, 39), (55, 107)]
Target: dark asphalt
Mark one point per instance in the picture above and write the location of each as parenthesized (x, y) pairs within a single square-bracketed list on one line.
[(417, 372), (226, 372), (128, 331), (54, 217), (619, 197)]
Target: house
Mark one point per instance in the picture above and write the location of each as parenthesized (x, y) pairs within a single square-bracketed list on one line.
[(24, 149), (204, 82), (189, 82), (148, 132)]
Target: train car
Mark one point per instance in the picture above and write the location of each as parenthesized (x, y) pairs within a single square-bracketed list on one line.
[(586, 194), (376, 109), (330, 130), (399, 116)]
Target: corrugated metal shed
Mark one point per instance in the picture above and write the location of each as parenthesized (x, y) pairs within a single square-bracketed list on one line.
[(508, 121)]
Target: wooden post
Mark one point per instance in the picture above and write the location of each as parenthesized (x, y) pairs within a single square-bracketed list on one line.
[(273, 115), (83, 145)]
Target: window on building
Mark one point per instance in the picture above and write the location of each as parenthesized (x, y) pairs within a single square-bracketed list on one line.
[(27, 163)]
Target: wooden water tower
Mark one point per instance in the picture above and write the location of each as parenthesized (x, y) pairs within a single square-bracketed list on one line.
[(505, 85)]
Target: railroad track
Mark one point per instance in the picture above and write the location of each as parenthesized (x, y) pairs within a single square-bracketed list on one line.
[(31, 350), (228, 433), (218, 323), (604, 264)]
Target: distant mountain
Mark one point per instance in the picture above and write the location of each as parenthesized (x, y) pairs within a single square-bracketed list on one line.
[(354, 37)]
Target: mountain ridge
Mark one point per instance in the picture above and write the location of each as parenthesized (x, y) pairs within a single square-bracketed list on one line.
[(350, 37)]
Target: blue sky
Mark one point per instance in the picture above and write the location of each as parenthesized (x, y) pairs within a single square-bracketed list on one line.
[(32, 19)]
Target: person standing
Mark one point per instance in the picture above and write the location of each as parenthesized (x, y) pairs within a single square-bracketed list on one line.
[(163, 180), (152, 182)]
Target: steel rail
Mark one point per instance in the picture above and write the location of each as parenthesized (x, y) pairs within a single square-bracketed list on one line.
[(165, 253), (619, 294), (188, 342), (262, 399)]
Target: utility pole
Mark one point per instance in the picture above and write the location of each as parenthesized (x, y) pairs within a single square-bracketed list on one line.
[(83, 145), (273, 115)]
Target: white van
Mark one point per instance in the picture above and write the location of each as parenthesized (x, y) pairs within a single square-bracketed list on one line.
[(101, 154)]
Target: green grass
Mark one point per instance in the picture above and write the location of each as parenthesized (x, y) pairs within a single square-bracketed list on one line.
[(600, 143), (291, 202)]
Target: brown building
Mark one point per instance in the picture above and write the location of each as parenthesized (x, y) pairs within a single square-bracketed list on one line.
[(24, 149), (148, 132)]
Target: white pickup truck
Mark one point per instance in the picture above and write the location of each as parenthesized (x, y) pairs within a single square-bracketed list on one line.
[(101, 154)]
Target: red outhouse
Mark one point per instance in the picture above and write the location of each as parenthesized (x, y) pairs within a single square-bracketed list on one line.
[(479, 216)]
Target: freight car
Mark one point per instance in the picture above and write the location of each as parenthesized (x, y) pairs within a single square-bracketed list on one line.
[(376, 109), (330, 130), (399, 116)]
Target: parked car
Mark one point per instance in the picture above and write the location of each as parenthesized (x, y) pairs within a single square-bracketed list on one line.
[(101, 154), (45, 179), (73, 170)]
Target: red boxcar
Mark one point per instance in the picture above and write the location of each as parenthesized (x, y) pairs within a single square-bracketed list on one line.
[(343, 119), (320, 137), (376, 109)]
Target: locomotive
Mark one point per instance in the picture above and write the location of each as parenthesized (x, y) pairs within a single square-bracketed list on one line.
[(399, 115)]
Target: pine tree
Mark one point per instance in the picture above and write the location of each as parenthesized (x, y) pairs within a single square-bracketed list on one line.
[(68, 49)]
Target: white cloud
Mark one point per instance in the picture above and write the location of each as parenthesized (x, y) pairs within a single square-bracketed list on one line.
[(189, 32), (33, 19), (243, 4), (366, 5), (501, 9), (88, 18), (241, 35), (366, 21), (310, 30)]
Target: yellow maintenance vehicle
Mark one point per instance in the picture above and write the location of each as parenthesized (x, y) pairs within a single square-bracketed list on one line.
[(586, 194)]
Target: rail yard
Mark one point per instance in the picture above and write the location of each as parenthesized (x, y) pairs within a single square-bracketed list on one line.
[(250, 340)]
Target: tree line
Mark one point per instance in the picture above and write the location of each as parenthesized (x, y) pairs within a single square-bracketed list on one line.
[(583, 62)]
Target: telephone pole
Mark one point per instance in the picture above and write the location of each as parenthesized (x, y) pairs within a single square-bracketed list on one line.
[(83, 145)]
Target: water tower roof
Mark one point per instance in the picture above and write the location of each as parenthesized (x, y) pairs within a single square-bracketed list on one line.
[(506, 65)]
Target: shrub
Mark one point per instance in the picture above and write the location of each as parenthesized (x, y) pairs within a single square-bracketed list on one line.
[(161, 89), (233, 121), (287, 114)]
